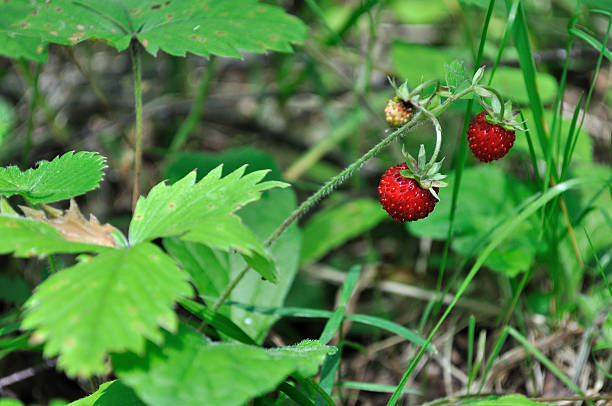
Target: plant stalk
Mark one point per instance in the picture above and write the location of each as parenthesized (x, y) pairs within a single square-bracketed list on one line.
[(339, 179), (196, 111), (136, 61)]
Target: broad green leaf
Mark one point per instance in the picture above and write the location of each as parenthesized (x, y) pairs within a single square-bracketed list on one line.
[(10, 402), (7, 119), (27, 237), (208, 268), (69, 175), (201, 27), (113, 393), (204, 212), (110, 303), (510, 83), (211, 270), (14, 290), (263, 217), (333, 227), (420, 11), (416, 62), (480, 207), (189, 370), (510, 400)]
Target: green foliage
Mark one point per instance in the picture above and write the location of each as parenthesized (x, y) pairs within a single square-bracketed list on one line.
[(211, 269), (487, 197), (113, 393), (189, 369), (26, 237), (510, 400), (509, 81), (106, 304), (15, 290), (202, 27), (56, 180), (416, 62), (204, 212), (7, 119), (333, 227)]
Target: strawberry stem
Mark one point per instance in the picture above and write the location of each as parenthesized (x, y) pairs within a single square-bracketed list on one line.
[(499, 98), (346, 173)]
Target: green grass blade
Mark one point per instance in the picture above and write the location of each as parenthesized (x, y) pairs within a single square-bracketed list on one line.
[(502, 44), (572, 137), (470, 353), (389, 326), (332, 325), (461, 154), (217, 320), (349, 284), (508, 227), (295, 394), (601, 270), (521, 39), (328, 373), (544, 360), (375, 387), (496, 350)]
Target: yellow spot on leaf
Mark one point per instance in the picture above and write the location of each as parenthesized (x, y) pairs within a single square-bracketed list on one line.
[(220, 33), (80, 27), (69, 342)]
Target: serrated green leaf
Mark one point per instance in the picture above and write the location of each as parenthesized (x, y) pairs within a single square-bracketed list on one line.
[(189, 370), (211, 270), (25, 237), (201, 27), (112, 302), (69, 175), (332, 227), (204, 212), (456, 76), (113, 393)]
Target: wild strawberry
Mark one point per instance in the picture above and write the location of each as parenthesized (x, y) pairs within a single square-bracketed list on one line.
[(402, 197), (409, 191), (490, 134), (398, 112)]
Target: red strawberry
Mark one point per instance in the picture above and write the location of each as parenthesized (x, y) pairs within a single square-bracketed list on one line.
[(402, 197), (398, 112), (489, 141)]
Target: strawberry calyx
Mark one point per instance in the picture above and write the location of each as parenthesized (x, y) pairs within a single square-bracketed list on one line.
[(499, 112), (426, 174)]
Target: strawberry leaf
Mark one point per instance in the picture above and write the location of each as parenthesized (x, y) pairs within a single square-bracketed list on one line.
[(26, 237), (111, 393), (110, 303), (69, 175), (204, 212), (190, 370), (201, 27)]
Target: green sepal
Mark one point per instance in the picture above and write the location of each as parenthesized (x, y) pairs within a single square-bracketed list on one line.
[(422, 159)]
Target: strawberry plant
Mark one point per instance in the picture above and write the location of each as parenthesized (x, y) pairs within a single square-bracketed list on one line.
[(139, 269)]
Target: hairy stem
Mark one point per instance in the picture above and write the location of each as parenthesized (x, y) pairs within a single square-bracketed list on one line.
[(339, 179), (135, 53)]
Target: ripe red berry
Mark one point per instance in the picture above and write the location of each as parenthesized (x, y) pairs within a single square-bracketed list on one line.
[(403, 198), (487, 141), (398, 112)]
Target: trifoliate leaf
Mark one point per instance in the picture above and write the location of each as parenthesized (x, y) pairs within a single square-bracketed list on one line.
[(27, 237), (113, 393), (190, 371), (73, 226), (204, 212), (69, 175), (110, 303), (202, 27)]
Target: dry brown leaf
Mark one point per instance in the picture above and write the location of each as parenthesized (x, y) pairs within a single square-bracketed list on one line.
[(73, 226)]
